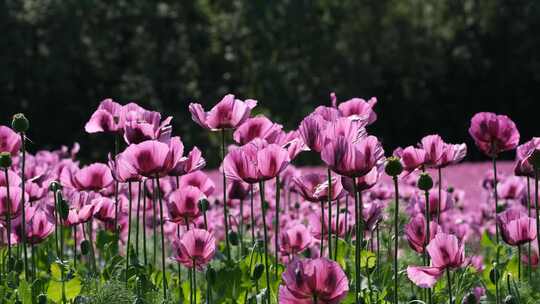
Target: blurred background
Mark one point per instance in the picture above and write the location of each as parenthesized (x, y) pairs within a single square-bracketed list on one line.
[(432, 64)]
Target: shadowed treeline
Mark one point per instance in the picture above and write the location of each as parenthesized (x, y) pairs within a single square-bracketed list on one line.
[(432, 64)]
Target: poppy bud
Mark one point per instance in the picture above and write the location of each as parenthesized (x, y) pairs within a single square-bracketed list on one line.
[(85, 247), (211, 275), (20, 123), (257, 272), (470, 298), (425, 182), (42, 299), (233, 238), (393, 166), (203, 205), (55, 186), (5, 160)]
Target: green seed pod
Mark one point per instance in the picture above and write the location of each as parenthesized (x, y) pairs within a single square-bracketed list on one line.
[(233, 238), (425, 182), (63, 209), (20, 123), (266, 205), (85, 247), (393, 166), (297, 205), (203, 205), (257, 272), (5, 160)]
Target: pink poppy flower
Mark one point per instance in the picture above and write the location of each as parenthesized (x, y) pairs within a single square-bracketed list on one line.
[(358, 108), (237, 190), (524, 153), (39, 225), (183, 204), (195, 249), (311, 131), (229, 113), (191, 163), (141, 125), (411, 158), (415, 232), (255, 161), (199, 180), (363, 182), (10, 205), (257, 127), (106, 118), (493, 133), (516, 227), (152, 158), (305, 279), (313, 187), (94, 177), (446, 252), (9, 141), (353, 159), (13, 178), (294, 240)]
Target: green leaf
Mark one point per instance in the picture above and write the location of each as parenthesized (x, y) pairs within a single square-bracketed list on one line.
[(54, 291), (25, 293), (73, 288), (56, 272), (368, 259)]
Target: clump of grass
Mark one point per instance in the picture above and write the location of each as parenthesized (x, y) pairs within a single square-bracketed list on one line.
[(113, 292)]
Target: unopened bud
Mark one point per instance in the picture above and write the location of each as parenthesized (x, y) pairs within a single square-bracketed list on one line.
[(20, 123), (393, 166), (425, 182)]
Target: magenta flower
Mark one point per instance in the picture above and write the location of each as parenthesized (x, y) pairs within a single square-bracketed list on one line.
[(517, 228), (294, 240), (358, 108), (446, 252), (493, 133), (512, 187), (190, 163), (353, 159), (363, 182), (320, 279), (237, 190), (152, 158), (229, 113), (257, 127), (524, 153), (9, 141), (183, 205), (10, 205), (199, 180), (452, 154), (141, 125), (14, 179), (313, 187), (411, 158), (372, 213), (106, 118), (415, 231), (103, 210), (195, 249), (255, 161), (94, 177), (311, 131), (122, 170), (39, 225)]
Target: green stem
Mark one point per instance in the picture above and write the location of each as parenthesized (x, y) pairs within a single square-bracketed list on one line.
[(449, 280), (139, 194), (145, 256), (440, 196), (23, 214), (276, 236), (74, 246), (329, 174), (322, 229), (428, 236), (225, 211), (8, 220), (337, 231), (251, 215), (530, 215), (494, 159), (130, 199), (162, 238), (357, 197), (240, 229), (265, 231), (396, 238)]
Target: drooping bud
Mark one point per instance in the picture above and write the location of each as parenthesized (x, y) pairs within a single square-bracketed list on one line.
[(257, 272), (55, 186), (20, 123)]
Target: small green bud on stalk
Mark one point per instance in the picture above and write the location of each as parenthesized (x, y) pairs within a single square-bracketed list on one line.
[(425, 182), (20, 123), (393, 166), (5, 160)]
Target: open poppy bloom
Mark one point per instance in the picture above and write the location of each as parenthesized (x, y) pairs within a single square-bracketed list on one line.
[(195, 248), (229, 113), (446, 252), (493, 133)]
